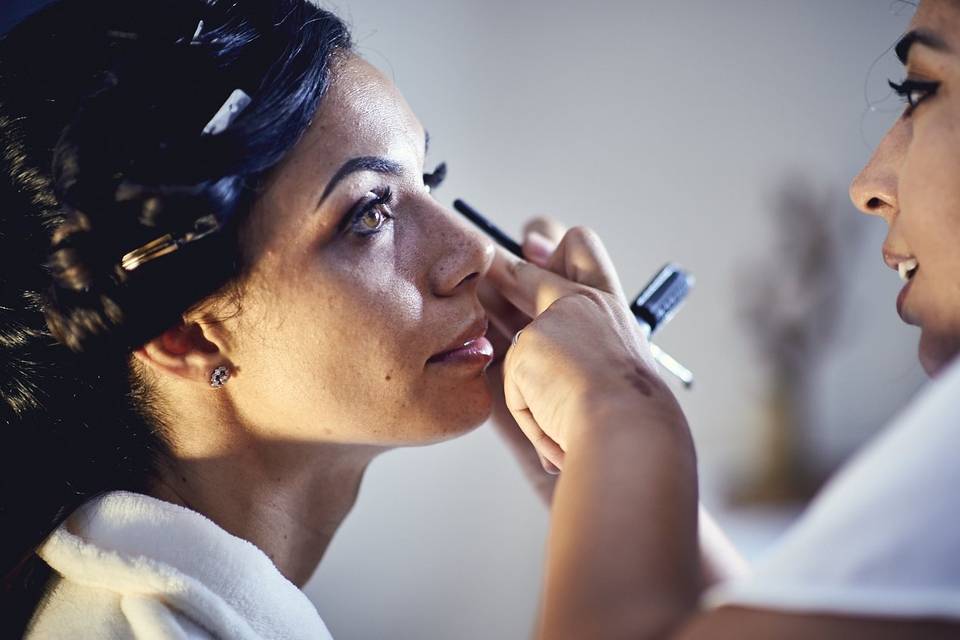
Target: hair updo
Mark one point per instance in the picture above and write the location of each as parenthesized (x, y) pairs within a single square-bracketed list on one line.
[(102, 108)]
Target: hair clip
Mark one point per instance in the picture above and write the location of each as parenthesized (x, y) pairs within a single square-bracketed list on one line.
[(228, 112), (168, 244), (196, 34)]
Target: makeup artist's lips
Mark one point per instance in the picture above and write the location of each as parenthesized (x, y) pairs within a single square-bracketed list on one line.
[(894, 260), (901, 301), (470, 347)]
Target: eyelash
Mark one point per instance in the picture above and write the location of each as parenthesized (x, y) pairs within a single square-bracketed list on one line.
[(381, 203), (435, 178), (907, 90), (384, 200)]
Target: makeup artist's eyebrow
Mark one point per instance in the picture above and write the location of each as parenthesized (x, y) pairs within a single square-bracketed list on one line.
[(919, 36), (426, 142), (363, 163)]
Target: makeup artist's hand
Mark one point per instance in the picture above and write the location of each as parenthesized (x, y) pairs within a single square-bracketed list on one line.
[(541, 236), (583, 355)]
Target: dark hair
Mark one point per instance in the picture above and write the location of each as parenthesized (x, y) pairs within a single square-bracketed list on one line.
[(102, 104)]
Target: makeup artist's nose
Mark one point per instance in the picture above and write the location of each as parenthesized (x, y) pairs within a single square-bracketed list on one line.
[(464, 259), (874, 190)]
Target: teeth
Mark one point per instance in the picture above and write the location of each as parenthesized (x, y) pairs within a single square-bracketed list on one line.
[(906, 268)]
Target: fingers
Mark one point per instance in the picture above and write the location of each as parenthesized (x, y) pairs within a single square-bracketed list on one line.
[(504, 317), (550, 454), (538, 249), (548, 466), (581, 257), (546, 448), (526, 286), (540, 239), (550, 229)]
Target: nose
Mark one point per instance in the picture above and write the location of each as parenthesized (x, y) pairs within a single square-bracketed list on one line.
[(464, 254), (874, 190)]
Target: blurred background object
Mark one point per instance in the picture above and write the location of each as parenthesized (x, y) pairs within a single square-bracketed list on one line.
[(793, 302), (721, 135)]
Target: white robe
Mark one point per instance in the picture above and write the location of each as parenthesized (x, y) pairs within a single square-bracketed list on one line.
[(883, 537), (132, 566)]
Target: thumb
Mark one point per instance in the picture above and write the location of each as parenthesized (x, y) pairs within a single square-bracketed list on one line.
[(581, 257)]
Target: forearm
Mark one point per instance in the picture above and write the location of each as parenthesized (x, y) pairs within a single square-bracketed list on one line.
[(622, 558)]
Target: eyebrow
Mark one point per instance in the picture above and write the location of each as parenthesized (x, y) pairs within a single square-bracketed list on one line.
[(363, 163), (368, 163), (919, 36)]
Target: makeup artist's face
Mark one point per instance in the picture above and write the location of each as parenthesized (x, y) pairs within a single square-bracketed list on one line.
[(913, 182), (359, 279)]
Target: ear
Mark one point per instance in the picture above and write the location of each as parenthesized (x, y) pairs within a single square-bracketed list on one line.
[(184, 351)]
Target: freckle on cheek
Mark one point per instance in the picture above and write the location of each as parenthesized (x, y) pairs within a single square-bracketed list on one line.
[(387, 377)]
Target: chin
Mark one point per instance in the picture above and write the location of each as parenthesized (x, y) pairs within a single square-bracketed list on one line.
[(457, 418), (936, 351)]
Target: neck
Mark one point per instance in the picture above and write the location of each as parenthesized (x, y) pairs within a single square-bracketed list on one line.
[(288, 499)]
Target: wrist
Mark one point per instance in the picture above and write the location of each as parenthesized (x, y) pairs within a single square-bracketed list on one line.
[(604, 415)]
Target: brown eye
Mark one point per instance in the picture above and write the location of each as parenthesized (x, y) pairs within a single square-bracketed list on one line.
[(373, 219), (371, 216)]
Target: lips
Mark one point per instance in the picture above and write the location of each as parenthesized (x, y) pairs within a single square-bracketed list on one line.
[(901, 301), (470, 345)]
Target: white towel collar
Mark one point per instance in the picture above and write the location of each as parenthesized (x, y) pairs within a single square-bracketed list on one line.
[(138, 545)]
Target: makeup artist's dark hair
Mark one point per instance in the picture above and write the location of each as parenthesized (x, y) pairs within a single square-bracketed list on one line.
[(102, 104)]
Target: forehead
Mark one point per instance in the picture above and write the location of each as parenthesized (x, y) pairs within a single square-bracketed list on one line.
[(362, 113), (941, 16)]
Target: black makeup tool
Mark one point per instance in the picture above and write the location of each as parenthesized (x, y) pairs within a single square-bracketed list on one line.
[(653, 307)]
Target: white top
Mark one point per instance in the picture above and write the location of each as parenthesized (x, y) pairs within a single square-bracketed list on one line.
[(883, 537), (133, 566)]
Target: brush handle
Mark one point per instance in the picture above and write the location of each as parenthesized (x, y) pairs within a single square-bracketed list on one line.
[(489, 228)]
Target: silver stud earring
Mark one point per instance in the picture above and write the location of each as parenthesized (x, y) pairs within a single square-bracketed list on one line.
[(219, 376)]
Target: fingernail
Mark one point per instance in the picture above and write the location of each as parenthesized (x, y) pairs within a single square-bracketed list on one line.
[(537, 248), (550, 468)]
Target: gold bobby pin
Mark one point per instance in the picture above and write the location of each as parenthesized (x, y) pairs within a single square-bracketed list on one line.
[(167, 244)]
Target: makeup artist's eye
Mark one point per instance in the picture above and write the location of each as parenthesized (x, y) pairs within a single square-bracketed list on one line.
[(371, 215), (913, 92), (435, 179)]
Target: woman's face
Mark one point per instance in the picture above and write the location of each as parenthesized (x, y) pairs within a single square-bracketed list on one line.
[(359, 277), (913, 181)]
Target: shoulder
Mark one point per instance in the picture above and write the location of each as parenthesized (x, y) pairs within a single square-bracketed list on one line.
[(881, 537), (156, 569), (74, 611)]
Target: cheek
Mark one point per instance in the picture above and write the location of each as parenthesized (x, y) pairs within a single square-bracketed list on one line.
[(345, 347), (368, 324), (928, 188), (929, 199)]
